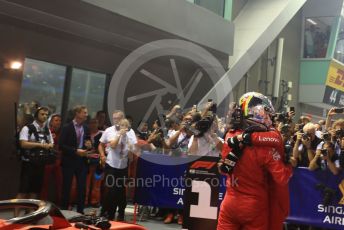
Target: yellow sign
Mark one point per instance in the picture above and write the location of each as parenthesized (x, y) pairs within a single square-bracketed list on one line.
[(335, 75), (341, 187)]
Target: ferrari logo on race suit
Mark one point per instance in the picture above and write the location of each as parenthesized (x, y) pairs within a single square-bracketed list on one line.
[(275, 154), (341, 187)]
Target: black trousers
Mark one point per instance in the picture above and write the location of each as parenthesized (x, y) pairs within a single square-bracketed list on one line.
[(31, 178), (114, 192), (80, 172)]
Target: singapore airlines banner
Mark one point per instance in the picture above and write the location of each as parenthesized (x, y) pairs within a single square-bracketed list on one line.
[(317, 198)]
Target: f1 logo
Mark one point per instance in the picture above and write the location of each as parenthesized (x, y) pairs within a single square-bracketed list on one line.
[(203, 164)]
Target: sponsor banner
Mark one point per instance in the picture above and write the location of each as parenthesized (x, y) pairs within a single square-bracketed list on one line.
[(316, 198), (164, 185), (201, 195), (333, 97), (335, 76)]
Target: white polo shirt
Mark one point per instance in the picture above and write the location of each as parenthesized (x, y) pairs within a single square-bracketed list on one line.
[(118, 157), (206, 147)]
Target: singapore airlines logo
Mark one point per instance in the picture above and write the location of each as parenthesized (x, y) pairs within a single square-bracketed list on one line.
[(341, 187)]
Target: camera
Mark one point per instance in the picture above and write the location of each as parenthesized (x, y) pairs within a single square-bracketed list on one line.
[(203, 124), (339, 133), (338, 110), (300, 127), (323, 152), (159, 132), (285, 129), (237, 117), (282, 117), (305, 136), (213, 108), (326, 136)]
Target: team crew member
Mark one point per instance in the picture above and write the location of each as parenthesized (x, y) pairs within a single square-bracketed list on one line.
[(32, 137)]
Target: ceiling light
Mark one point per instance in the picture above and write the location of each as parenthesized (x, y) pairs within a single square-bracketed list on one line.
[(15, 65), (311, 21)]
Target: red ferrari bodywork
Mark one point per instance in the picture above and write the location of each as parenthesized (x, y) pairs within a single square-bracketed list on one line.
[(56, 219)]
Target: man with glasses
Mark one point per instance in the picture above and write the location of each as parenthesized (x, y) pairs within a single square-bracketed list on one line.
[(116, 145), (306, 145), (325, 158)]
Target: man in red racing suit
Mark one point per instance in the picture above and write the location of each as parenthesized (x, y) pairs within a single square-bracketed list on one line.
[(279, 202), (257, 192)]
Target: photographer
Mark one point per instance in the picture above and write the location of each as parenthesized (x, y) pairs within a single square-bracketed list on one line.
[(156, 138), (337, 136), (204, 141), (305, 145), (325, 158), (178, 143), (333, 111), (179, 140), (337, 131), (286, 133), (341, 154)]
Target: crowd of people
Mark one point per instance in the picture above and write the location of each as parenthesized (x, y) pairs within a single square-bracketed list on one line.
[(90, 153)]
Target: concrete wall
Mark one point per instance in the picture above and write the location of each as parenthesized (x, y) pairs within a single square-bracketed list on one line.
[(177, 17), (263, 69), (237, 5), (10, 82)]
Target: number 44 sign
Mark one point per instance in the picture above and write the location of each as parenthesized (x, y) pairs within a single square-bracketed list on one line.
[(201, 197)]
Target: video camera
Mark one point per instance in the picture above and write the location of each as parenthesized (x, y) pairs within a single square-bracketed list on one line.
[(236, 116), (285, 129), (202, 124), (326, 137), (213, 107), (282, 117), (305, 136), (339, 133)]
